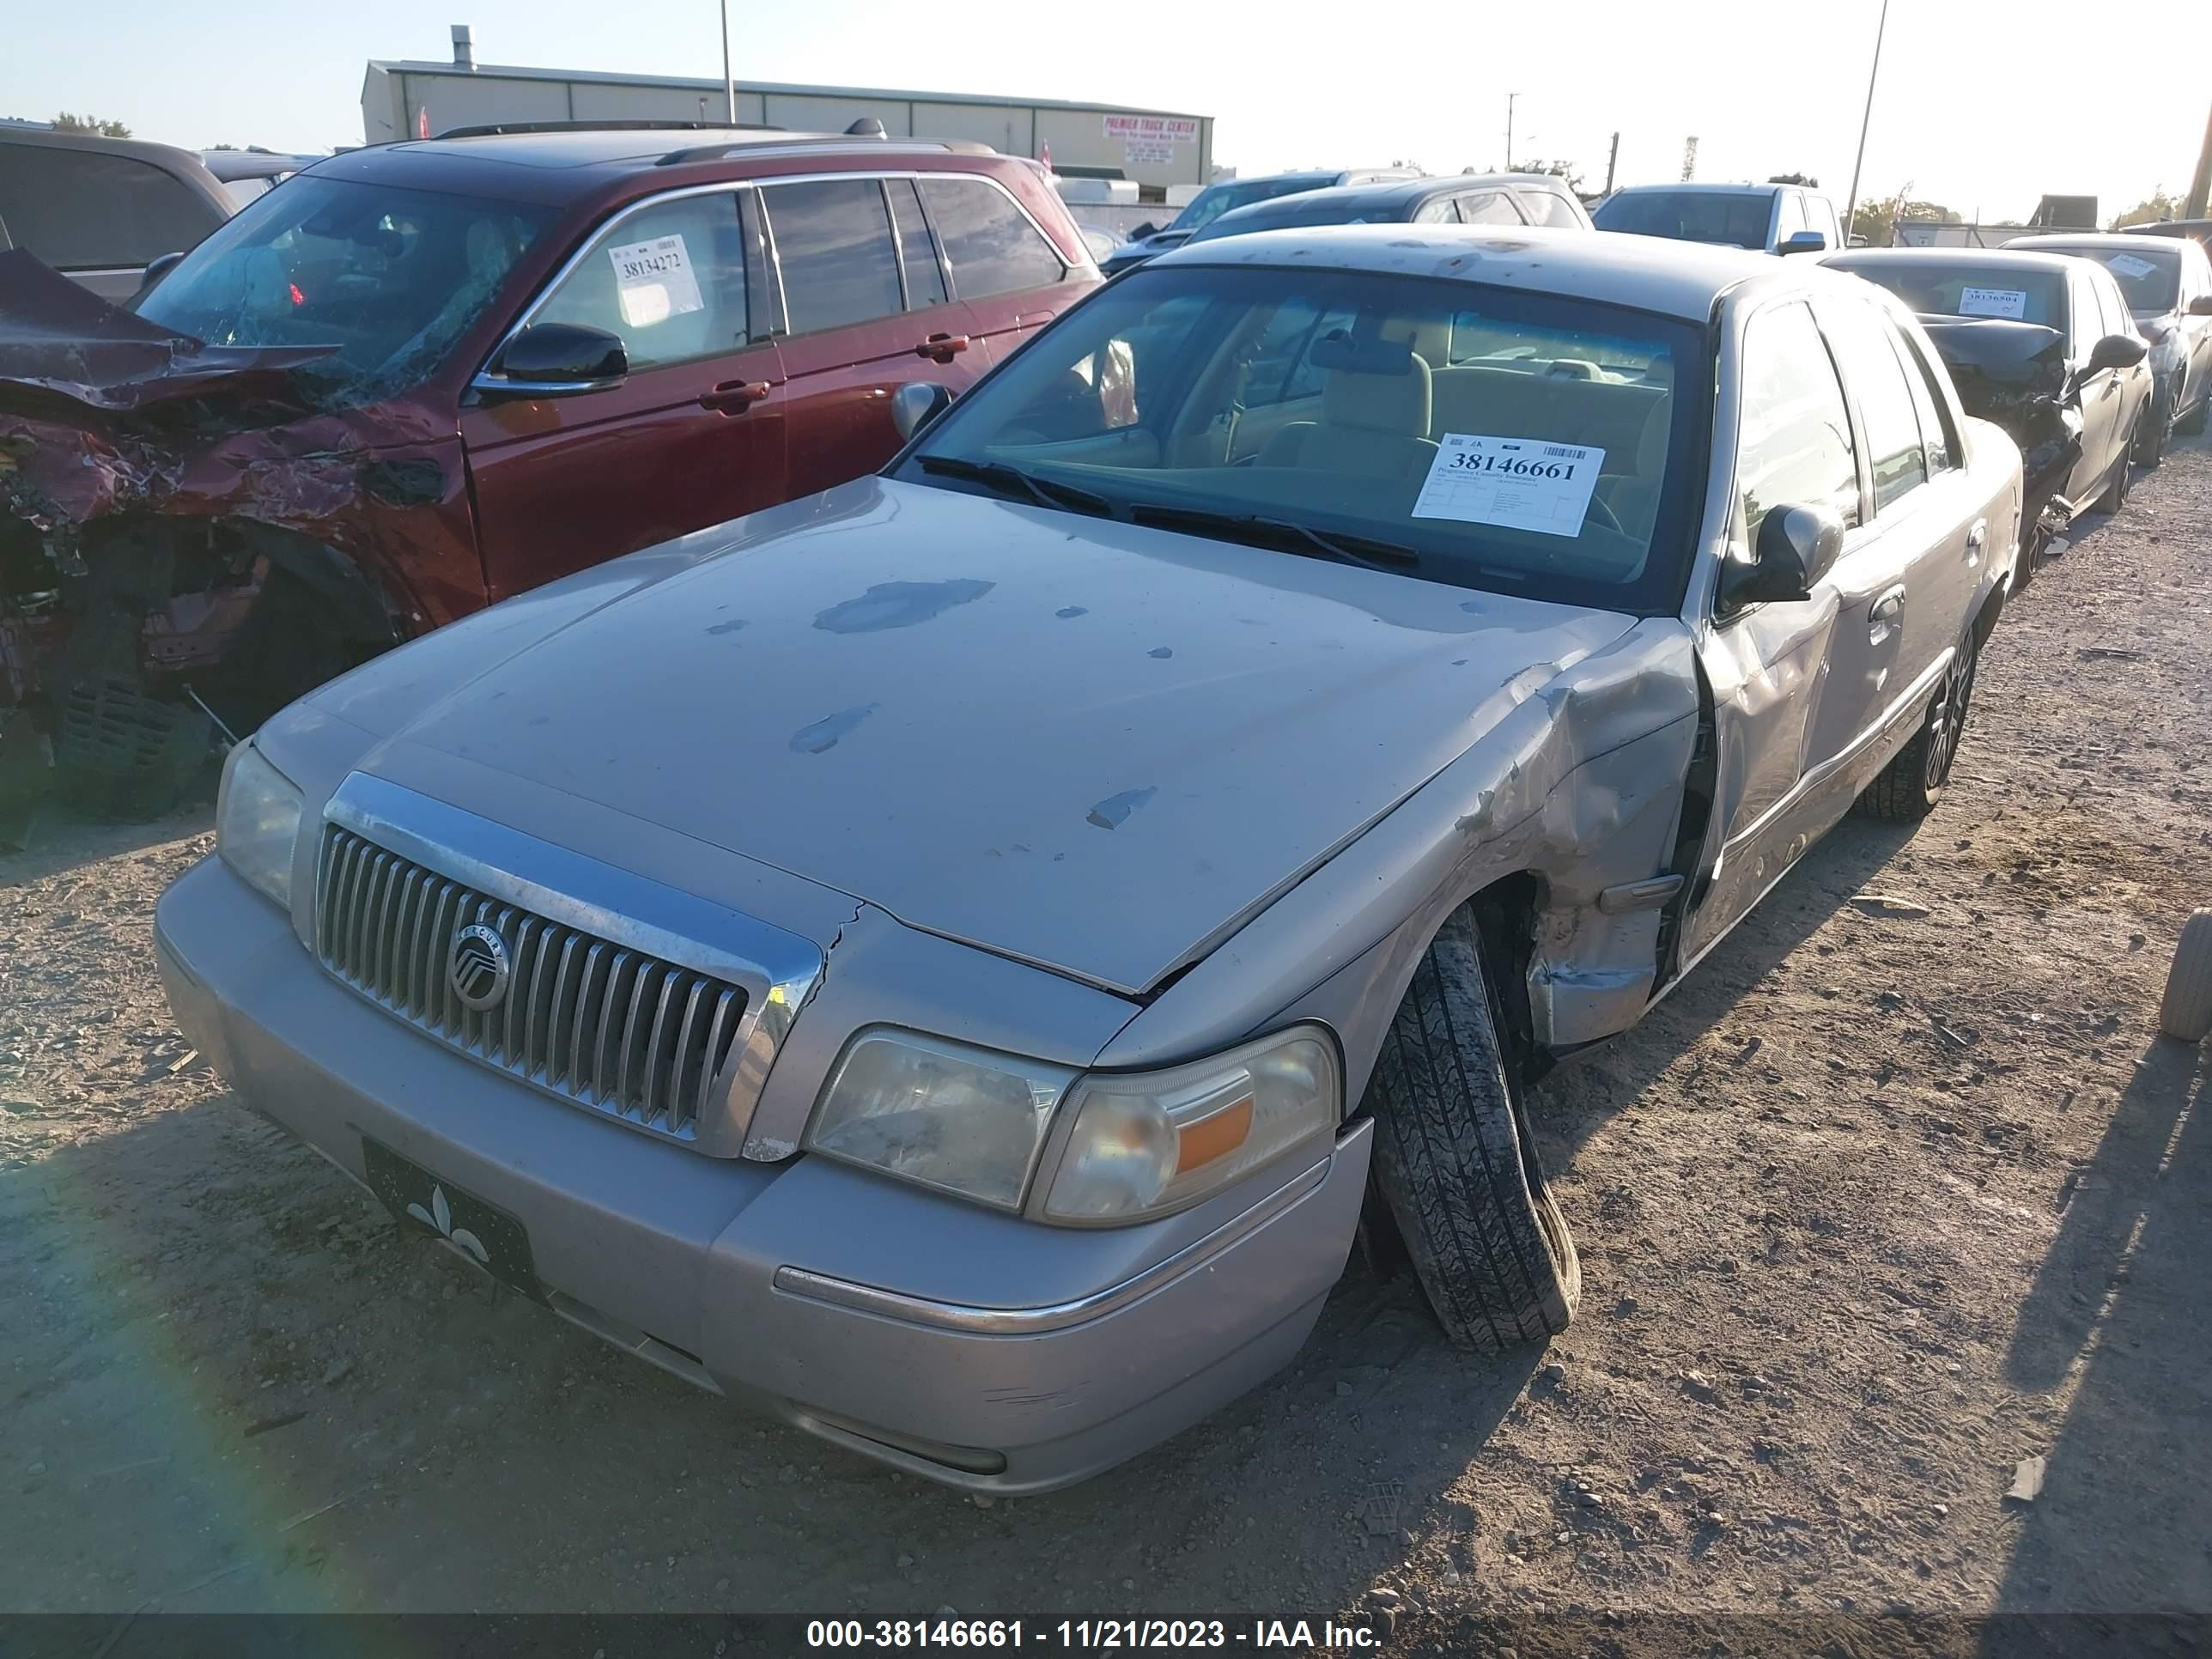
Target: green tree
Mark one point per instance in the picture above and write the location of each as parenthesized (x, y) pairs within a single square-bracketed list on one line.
[(2158, 205), (66, 122)]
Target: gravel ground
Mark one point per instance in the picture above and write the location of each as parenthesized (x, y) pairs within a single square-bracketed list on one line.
[(1889, 1197)]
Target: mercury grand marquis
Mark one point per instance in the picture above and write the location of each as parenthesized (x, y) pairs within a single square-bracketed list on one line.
[(944, 960)]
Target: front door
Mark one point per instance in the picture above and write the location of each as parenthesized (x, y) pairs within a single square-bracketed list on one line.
[(1765, 665), (693, 434)]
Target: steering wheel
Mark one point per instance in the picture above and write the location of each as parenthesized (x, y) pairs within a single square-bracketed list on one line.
[(1597, 506)]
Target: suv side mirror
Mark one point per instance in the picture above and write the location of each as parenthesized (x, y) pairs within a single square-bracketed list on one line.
[(549, 360), (2116, 351), (916, 404), (2201, 306), (156, 268), (1147, 228), (1804, 241), (1797, 546)]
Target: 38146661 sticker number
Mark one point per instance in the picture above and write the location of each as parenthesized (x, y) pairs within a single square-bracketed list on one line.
[(1518, 484)]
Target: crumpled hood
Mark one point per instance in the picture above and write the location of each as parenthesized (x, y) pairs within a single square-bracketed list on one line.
[(1089, 745)]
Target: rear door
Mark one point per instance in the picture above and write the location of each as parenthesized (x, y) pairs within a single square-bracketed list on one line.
[(1908, 576), (1004, 268), (868, 308), (693, 434)]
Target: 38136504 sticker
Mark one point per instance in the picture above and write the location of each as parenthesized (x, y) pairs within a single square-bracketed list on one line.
[(1992, 303), (654, 280), (1519, 484)]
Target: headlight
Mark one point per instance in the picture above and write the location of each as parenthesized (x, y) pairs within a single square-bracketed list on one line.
[(963, 1119), (257, 822), (1148, 1143)]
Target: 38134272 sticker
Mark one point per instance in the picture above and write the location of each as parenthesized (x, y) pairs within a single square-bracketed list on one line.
[(1519, 484), (654, 280)]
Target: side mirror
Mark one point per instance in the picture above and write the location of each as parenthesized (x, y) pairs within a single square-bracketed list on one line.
[(1804, 241), (916, 404), (1797, 546), (2201, 306), (1147, 228), (1857, 241), (550, 360), (2117, 351), (156, 268)]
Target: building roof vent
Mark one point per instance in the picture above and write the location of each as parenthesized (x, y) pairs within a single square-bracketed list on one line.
[(465, 47)]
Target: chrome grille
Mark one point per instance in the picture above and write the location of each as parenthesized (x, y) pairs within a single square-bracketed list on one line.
[(606, 1026)]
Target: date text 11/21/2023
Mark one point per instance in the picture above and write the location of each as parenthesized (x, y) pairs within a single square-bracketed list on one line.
[(1090, 1635)]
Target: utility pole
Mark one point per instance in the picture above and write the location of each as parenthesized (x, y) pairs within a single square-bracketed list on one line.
[(2201, 188), (1509, 97), (1880, 29), (1612, 159), (730, 86)]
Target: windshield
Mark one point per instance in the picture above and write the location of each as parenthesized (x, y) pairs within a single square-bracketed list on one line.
[(1723, 218), (1489, 438), (1211, 203), (1953, 290), (2149, 276), (390, 279)]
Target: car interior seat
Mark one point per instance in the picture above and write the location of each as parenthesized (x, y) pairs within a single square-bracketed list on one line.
[(1374, 413)]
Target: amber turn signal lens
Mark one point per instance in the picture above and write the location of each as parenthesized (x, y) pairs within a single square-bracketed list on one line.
[(1217, 1136)]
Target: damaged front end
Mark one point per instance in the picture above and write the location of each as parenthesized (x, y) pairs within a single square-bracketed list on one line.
[(2013, 375), (191, 536)]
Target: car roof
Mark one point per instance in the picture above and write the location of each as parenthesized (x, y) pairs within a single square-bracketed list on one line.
[(179, 164), (558, 166), (1692, 187), (2105, 241), (1679, 279), (1387, 193), (1982, 258)]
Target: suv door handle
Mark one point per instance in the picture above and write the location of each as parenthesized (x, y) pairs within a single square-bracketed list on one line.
[(735, 397), (940, 347), (1886, 612)]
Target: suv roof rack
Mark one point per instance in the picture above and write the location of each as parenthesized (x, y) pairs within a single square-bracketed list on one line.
[(498, 129), (836, 142)]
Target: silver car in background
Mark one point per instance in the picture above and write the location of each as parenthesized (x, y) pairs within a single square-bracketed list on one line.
[(943, 960)]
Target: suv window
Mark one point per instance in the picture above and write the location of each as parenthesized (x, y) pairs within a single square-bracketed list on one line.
[(1795, 445), (669, 279), (1789, 217), (833, 245), (2119, 319), (1863, 342), (2089, 315), (1823, 214), (84, 211), (1437, 210), (1548, 207), (924, 277), (1937, 440), (991, 244), (1488, 207), (1729, 218)]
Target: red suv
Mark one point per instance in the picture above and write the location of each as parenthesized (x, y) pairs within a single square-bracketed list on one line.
[(467, 366)]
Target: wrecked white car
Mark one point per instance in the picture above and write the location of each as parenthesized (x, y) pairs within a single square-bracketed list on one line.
[(943, 960)]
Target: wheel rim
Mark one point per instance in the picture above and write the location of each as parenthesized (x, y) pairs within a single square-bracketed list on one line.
[(1946, 720)]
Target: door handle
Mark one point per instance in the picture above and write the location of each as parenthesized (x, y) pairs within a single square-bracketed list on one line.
[(1886, 612), (735, 397), (940, 347)]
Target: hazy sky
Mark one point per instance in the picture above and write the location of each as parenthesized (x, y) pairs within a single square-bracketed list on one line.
[(1978, 106)]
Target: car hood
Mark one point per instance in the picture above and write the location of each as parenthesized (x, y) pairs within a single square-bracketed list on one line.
[(1089, 745)]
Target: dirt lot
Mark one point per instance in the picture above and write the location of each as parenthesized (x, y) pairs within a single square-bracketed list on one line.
[(1889, 1197)]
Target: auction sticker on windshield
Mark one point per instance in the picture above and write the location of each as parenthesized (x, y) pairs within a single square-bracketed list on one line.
[(1519, 484), (655, 280), (2128, 266), (1992, 303)]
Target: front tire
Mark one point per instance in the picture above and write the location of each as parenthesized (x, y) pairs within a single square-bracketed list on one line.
[(2153, 434), (1907, 790), (2124, 475), (1454, 1160)]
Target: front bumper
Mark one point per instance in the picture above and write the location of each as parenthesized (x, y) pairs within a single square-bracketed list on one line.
[(965, 1345)]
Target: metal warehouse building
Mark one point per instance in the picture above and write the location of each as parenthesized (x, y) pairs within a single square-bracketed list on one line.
[(401, 99)]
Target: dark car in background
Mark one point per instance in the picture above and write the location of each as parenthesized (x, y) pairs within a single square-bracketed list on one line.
[(2169, 287), (2199, 231), (1770, 218), (1210, 204), (1481, 198), (248, 173), (2043, 346), (424, 376), (99, 210)]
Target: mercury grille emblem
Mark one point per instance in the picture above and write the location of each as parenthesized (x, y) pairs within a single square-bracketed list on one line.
[(478, 967)]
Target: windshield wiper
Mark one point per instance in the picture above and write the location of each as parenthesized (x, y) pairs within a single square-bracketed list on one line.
[(1013, 481), (1284, 534)]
